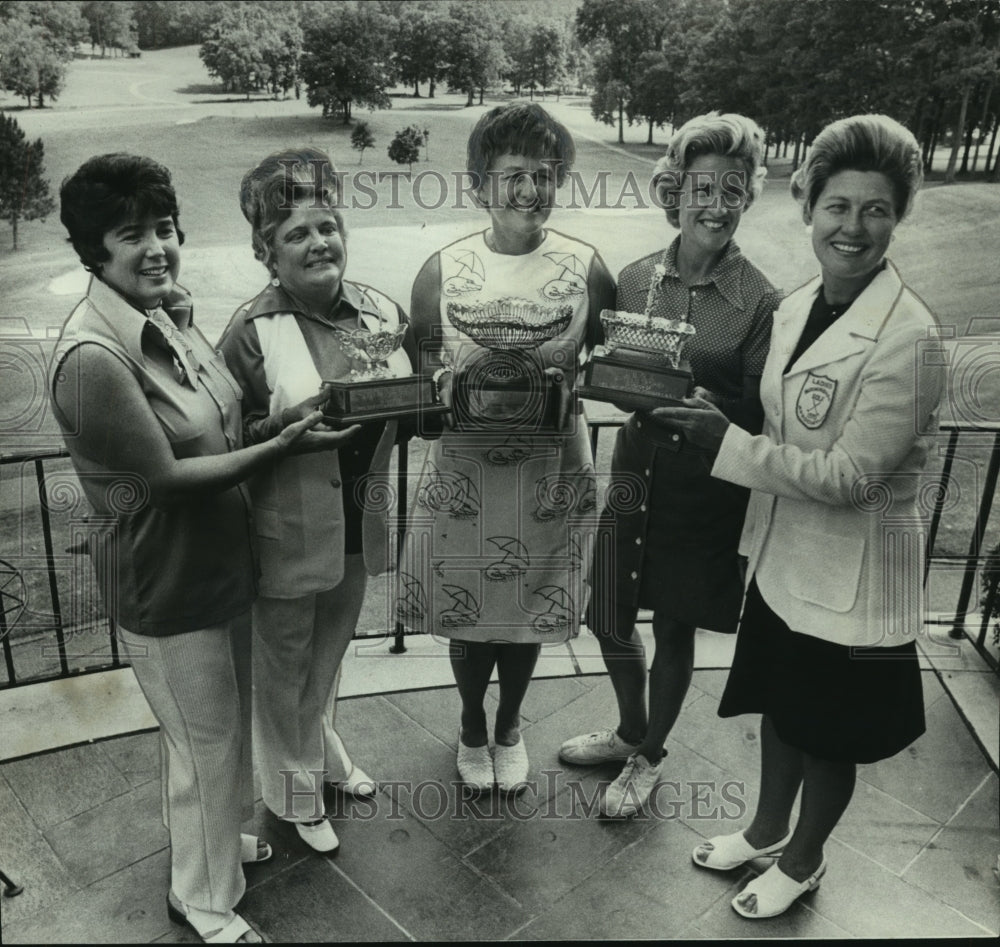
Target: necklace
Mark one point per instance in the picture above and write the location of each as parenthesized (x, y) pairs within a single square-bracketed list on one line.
[(656, 284)]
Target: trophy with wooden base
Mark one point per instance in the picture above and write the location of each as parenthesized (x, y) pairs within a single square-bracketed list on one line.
[(508, 388), (639, 366), (373, 392)]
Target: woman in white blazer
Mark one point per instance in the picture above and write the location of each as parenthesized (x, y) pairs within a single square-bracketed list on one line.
[(826, 650)]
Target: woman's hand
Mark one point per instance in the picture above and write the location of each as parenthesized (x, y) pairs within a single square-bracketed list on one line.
[(310, 436), (304, 409), (701, 421), (562, 381), (705, 395), (445, 388)]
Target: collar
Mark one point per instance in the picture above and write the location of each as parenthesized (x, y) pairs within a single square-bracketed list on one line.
[(274, 299), (726, 275), (872, 309), (129, 323)]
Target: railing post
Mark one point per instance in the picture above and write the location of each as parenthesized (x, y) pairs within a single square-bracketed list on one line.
[(402, 476), (975, 543), (949, 459), (50, 565)]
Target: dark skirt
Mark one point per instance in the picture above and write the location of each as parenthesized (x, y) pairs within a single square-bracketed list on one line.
[(829, 700), (668, 536)]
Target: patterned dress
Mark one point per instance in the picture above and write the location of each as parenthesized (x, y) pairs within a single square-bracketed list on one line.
[(502, 528)]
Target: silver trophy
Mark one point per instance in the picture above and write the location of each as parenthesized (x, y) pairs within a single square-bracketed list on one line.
[(371, 391), (639, 365), (508, 388)]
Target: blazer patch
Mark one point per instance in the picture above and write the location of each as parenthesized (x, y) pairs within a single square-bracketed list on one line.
[(815, 400)]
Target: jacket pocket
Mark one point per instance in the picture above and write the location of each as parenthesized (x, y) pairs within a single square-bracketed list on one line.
[(826, 568)]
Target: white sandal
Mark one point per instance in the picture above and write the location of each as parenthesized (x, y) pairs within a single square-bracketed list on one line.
[(253, 849), (211, 926), (773, 893), (730, 851)]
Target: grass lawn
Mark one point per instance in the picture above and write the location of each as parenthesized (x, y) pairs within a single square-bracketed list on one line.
[(166, 106)]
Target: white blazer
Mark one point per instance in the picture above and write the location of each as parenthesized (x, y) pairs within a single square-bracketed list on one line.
[(833, 532)]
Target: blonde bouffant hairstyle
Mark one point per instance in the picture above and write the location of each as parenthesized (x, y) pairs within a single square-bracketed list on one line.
[(727, 134)]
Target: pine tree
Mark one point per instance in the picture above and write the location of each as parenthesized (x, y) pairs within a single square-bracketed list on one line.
[(24, 190)]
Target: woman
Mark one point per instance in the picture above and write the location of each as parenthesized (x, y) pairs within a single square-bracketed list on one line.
[(308, 511), (151, 418), (674, 550), (826, 650), (493, 557)]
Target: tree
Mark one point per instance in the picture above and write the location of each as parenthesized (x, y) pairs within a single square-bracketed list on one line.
[(37, 39), (420, 46), (111, 24), (362, 138), (405, 147), (517, 49), (963, 47), (548, 52), (174, 22), (621, 32), (476, 56), (24, 190), (654, 97), (252, 47), (347, 60)]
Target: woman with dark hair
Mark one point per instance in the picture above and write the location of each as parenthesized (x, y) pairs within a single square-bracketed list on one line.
[(826, 650), (151, 418), (497, 548), (674, 550), (316, 537)]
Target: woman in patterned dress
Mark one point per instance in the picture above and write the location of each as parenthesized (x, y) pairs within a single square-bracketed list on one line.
[(669, 534), (503, 526)]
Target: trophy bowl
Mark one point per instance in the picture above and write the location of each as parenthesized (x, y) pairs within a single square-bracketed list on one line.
[(372, 348), (508, 389), (510, 323), (639, 365), (372, 392), (630, 330)]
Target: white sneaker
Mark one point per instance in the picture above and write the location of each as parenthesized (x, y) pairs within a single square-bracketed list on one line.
[(510, 764), (318, 835), (475, 766), (629, 792), (604, 746)]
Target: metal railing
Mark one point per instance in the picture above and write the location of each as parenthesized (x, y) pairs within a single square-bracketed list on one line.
[(969, 562)]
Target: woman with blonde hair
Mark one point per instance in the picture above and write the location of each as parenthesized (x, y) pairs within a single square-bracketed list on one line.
[(826, 651), (673, 549)]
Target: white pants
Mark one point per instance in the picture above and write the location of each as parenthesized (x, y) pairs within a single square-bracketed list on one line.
[(198, 686), (298, 646)]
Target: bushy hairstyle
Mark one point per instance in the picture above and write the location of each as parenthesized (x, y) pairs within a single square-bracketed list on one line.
[(105, 192), (279, 184), (519, 130), (862, 143), (727, 134)]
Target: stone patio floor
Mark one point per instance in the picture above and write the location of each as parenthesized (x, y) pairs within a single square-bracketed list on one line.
[(916, 854)]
